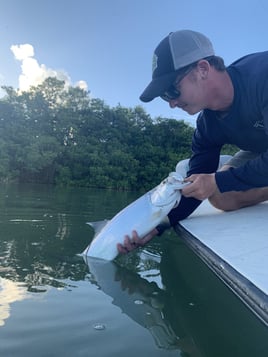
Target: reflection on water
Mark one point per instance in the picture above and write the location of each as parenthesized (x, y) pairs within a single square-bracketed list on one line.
[(9, 293), (138, 298), (161, 301)]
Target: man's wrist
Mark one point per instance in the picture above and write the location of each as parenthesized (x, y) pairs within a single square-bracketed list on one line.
[(163, 226)]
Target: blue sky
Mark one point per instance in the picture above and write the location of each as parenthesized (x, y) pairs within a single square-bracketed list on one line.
[(108, 44)]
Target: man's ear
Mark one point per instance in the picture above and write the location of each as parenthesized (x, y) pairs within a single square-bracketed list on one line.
[(203, 68)]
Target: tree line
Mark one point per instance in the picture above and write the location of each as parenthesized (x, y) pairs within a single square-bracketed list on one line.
[(57, 135)]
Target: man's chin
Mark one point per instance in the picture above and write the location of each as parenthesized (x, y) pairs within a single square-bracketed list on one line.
[(190, 111)]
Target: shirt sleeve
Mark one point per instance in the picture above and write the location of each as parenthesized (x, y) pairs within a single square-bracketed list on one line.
[(205, 159), (254, 173), (251, 175), (186, 206), (206, 145)]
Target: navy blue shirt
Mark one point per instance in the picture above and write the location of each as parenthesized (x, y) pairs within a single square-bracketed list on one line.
[(244, 125)]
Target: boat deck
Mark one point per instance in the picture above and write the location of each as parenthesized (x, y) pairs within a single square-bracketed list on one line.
[(235, 246)]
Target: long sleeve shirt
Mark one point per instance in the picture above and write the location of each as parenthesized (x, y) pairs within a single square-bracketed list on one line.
[(244, 125)]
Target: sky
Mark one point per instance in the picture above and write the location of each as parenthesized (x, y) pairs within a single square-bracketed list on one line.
[(106, 46)]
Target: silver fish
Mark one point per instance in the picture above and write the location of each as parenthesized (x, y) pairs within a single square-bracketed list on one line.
[(142, 215)]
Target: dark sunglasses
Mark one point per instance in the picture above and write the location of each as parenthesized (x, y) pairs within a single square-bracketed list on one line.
[(172, 92)]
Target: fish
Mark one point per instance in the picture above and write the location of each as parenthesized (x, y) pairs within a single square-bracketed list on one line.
[(142, 215)]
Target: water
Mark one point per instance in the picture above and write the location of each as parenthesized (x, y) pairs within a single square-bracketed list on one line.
[(160, 301)]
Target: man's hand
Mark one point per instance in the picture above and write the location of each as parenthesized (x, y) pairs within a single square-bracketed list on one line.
[(202, 186), (131, 243)]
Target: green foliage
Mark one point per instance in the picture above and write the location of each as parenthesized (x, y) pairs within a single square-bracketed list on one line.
[(52, 134)]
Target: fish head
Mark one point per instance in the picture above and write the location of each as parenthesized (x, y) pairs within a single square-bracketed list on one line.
[(168, 191)]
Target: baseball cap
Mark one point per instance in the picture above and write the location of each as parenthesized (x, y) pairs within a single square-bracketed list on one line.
[(177, 50)]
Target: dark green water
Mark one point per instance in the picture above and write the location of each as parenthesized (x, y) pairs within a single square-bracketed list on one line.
[(161, 301)]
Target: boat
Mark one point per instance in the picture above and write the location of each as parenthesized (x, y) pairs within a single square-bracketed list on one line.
[(234, 245)]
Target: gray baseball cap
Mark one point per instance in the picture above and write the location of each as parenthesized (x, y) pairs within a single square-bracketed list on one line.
[(177, 50)]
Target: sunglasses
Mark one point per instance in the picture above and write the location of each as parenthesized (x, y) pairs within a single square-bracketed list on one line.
[(172, 92)]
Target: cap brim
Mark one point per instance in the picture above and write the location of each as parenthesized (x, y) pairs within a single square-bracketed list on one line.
[(157, 87)]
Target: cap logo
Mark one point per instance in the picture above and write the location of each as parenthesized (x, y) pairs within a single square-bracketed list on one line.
[(154, 62)]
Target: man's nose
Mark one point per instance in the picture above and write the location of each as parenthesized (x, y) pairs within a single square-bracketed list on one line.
[(173, 103)]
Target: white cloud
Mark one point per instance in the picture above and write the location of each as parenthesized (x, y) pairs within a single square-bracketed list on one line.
[(33, 73), (82, 85), (22, 52)]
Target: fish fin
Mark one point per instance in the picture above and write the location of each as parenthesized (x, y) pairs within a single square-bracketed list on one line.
[(98, 226)]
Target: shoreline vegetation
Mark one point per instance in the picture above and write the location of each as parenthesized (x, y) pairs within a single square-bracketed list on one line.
[(57, 135)]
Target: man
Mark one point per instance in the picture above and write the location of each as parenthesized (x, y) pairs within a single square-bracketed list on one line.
[(233, 106)]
